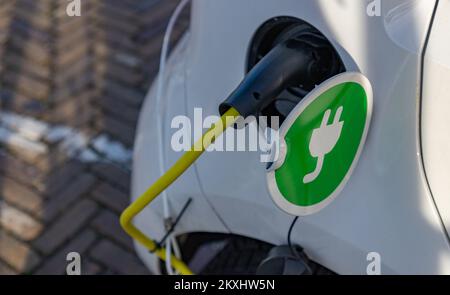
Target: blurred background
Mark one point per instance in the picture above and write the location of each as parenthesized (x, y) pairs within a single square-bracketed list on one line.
[(70, 92)]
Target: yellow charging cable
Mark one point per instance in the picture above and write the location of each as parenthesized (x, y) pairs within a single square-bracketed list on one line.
[(126, 219)]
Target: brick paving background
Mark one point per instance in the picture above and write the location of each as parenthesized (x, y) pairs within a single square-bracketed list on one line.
[(67, 84)]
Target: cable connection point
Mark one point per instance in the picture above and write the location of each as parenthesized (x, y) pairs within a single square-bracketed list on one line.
[(290, 63)]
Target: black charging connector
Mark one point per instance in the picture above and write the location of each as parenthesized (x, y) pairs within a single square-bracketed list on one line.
[(293, 62)]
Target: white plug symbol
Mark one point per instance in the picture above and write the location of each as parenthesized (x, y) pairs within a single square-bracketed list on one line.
[(323, 140)]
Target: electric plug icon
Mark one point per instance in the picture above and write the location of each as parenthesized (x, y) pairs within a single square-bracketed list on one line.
[(323, 140)]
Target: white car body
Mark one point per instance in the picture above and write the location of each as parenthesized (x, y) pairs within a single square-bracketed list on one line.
[(397, 202)]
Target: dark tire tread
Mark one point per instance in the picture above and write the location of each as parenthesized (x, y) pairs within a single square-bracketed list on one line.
[(240, 256)]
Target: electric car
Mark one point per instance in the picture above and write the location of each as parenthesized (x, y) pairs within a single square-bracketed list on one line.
[(392, 216)]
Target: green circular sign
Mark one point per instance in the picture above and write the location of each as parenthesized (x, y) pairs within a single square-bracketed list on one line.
[(320, 143)]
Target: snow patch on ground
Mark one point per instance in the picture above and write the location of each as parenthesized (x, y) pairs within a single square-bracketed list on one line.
[(27, 127), (112, 150), (31, 136), (17, 142)]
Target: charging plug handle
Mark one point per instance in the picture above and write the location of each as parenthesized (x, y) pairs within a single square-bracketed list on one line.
[(288, 64)]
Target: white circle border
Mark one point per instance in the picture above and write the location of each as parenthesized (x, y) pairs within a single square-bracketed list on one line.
[(277, 197)]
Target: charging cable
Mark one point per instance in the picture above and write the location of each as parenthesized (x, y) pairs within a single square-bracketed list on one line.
[(171, 240), (126, 219)]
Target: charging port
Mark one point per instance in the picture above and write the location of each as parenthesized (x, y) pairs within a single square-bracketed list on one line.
[(279, 30)]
